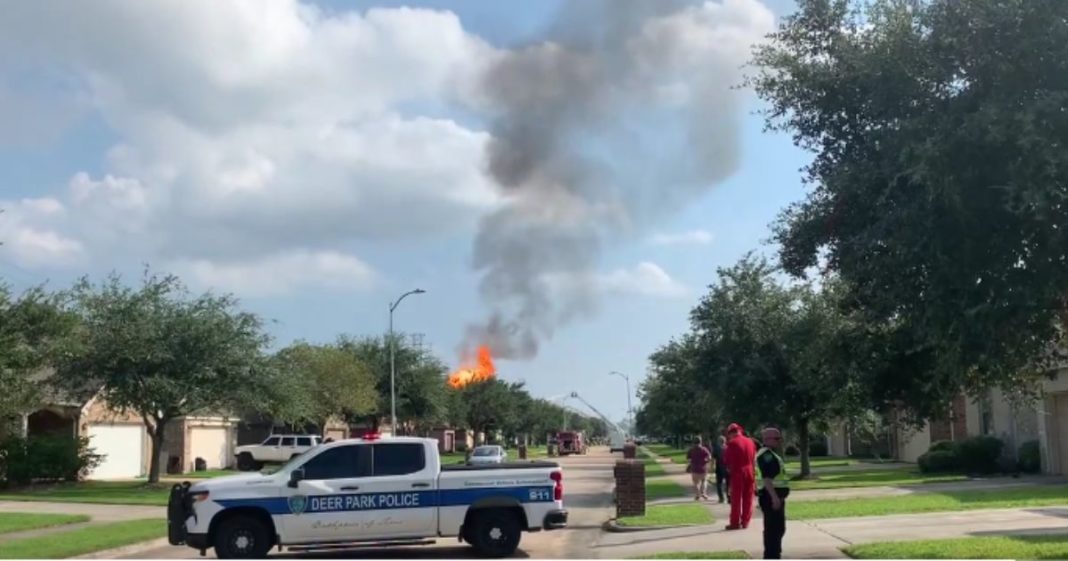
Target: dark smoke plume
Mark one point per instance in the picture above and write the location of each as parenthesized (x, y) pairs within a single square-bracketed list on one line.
[(623, 115)]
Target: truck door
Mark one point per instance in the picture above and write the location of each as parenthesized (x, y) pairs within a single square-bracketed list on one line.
[(331, 503), (404, 487)]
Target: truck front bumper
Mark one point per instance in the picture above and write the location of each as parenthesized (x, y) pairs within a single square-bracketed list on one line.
[(555, 520)]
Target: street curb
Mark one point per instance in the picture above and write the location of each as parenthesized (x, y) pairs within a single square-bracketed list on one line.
[(610, 525), (125, 550)]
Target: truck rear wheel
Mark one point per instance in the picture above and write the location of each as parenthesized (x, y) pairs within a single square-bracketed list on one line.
[(245, 462), (495, 532), (242, 537)]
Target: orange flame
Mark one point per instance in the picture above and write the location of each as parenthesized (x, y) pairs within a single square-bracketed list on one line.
[(470, 374)]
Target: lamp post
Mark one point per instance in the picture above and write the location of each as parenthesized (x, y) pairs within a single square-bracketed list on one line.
[(630, 408), (392, 364)]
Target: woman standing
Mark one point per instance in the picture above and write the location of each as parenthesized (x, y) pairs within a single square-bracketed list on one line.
[(699, 458)]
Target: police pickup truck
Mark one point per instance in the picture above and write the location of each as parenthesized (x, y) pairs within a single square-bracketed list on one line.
[(368, 492)]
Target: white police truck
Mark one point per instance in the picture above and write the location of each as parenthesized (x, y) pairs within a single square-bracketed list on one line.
[(368, 493)]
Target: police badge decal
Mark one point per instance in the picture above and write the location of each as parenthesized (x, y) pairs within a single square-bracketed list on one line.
[(297, 504)]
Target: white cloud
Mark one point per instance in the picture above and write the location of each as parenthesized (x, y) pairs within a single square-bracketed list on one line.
[(30, 236), (282, 273), (251, 127), (693, 237)]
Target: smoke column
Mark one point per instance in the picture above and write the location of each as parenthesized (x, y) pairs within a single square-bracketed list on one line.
[(624, 114)]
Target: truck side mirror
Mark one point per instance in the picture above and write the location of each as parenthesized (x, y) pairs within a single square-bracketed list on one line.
[(295, 477)]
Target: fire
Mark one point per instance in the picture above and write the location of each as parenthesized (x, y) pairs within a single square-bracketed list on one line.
[(480, 372)]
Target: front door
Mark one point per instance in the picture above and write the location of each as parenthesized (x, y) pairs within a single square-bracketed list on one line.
[(329, 504)]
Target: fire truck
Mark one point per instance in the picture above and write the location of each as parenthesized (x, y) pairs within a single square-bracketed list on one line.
[(570, 442)]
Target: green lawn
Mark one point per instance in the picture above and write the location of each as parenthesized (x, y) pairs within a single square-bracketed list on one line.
[(669, 515), (949, 501), (107, 492), (873, 478), (663, 488), (667, 451), (697, 555), (793, 463), (19, 521), (84, 540), (207, 474), (653, 469), (992, 547)]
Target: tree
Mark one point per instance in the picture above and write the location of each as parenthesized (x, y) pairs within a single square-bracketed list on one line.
[(940, 181), (775, 354), (420, 379), (32, 327), (163, 354), (331, 383), (489, 404)]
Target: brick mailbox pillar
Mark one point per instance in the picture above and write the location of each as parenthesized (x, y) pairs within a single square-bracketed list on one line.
[(630, 488), (630, 451)]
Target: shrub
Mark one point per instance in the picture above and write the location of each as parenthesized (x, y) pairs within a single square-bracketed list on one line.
[(979, 454), (938, 461), (818, 447), (1030, 457), (943, 446), (45, 458)]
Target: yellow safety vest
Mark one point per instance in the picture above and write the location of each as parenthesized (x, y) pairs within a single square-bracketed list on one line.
[(781, 481)]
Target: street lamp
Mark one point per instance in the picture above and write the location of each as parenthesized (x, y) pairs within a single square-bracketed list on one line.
[(630, 408), (392, 364)]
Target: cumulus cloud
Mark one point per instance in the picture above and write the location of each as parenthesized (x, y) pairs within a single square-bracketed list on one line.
[(30, 235), (282, 273), (645, 279), (250, 127), (693, 237)]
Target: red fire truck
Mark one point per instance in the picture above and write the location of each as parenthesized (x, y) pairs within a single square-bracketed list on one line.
[(570, 442)]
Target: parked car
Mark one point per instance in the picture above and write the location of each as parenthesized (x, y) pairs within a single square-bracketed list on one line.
[(277, 449), (338, 494), (489, 454)]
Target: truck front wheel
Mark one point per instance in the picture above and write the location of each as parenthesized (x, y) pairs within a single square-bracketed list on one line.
[(495, 532), (242, 537)]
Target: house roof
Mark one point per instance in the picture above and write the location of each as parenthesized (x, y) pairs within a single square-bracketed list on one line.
[(52, 394)]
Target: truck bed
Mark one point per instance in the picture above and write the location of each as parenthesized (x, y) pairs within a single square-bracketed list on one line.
[(504, 465)]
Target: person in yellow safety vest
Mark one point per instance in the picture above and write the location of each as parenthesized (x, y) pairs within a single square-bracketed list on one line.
[(774, 488)]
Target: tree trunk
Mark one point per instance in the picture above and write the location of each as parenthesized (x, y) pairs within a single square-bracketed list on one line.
[(802, 444), (156, 436)]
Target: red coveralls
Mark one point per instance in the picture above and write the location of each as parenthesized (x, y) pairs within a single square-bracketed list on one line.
[(740, 457)]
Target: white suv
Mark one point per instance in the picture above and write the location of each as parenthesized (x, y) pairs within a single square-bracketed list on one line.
[(278, 448)]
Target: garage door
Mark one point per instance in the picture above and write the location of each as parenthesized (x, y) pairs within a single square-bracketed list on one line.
[(210, 443), (122, 447)]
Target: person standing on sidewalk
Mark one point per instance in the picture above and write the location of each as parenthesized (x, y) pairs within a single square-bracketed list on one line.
[(740, 456), (721, 468), (774, 489), (698, 459)]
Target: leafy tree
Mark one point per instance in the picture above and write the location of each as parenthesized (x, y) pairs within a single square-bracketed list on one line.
[(489, 404), (940, 181), (775, 353), (32, 327), (163, 354), (420, 380), (331, 383)]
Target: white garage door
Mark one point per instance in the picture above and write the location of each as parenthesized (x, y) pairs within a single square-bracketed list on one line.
[(210, 443), (122, 447)]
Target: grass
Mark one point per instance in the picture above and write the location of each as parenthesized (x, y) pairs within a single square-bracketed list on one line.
[(669, 515), (793, 463), (663, 489), (208, 474), (992, 547), (103, 492), (84, 540), (19, 521), (735, 554), (873, 478), (949, 501)]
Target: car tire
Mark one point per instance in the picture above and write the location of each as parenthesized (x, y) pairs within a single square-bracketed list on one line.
[(495, 533), (245, 462), (242, 537)]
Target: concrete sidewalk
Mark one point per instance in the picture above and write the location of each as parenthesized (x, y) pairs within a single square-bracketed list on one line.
[(823, 539)]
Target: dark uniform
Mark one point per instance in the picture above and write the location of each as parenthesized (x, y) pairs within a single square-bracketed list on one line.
[(771, 466)]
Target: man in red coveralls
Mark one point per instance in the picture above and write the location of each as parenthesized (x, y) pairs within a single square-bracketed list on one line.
[(740, 457)]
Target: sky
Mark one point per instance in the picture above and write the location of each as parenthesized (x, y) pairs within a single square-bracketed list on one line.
[(563, 180)]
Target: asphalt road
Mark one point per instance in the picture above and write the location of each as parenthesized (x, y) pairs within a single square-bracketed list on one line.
[(587, 496)]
